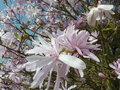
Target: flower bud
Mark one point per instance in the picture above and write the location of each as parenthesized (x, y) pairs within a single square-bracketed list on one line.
[(101, 75)]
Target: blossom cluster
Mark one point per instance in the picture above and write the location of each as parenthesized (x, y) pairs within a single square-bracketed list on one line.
[(59, 54), (59, 44)]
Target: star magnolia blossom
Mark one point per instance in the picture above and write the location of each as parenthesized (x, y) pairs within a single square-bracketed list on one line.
[(116, 67), (99, 13), (7, 38), (79, 41), (32, 11), (54, 60)]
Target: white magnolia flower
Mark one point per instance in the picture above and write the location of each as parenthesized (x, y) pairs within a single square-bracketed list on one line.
[(99, 13), (7, 37), (1, 73), (3, 17), (53, 60), (32, 11), (116, 67)]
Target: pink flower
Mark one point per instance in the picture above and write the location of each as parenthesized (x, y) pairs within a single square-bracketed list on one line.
[(116, 67), (53, 60), (101, 75), (78, 40)]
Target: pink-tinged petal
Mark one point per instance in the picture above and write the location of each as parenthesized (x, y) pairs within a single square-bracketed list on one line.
[(95, 34), (1, 73), (31, 66), (34, 58), (79, 51), (67, 42), (74, 37), (57, 82), (67, 70), (93, 47), (49, 78), (35, 50), (41, 75), (82, 37), (91, 55), (37, 72), (62, 71), (72, 61)]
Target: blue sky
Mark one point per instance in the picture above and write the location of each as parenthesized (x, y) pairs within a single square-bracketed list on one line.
[(2, 5)]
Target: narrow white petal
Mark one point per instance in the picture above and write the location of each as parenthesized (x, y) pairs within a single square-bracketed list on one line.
[(81, 73), (35, 50), (49, 78), (118, 76), (106, 7), (41, 75), (79, 51), (89, 16), (72, 87), (34, 58), (57, 82), (93, 14), (31, 66), (112, 66), (72, 61), (91, 55)]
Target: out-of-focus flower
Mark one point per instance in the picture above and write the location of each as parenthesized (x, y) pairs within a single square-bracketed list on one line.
[(1, 73), (15, 78), (74, 40), (116, 67), (2, 50), (54, 60), (7, 37), (3, 17), (14, 10), (99, 13), (2, 85), (101, 75), (32, 11)]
